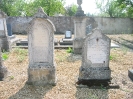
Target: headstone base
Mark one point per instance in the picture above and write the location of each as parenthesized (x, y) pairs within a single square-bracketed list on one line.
[(94, 73), (41, 74), (3, 72), (5, 43), (130, 74), (77, 45)]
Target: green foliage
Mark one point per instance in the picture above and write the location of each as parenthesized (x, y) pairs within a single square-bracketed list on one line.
[(71, 10), (21, 54), (5, 55), (70, 50), (51, 7), (115, 8), (29, 8)]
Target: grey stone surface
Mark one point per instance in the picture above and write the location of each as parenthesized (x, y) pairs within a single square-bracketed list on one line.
[(130, 74), (41, 69), (79, 33), (64, 23), (95, 57), (3, 33), (3, 69)]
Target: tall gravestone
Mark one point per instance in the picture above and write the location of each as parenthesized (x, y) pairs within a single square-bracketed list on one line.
[(95, 58), (5, 43), (3, 69), (41, 69), (79, 29)]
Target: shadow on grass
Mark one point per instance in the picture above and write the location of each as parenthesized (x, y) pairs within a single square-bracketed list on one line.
[(86, 93), (31, 92)]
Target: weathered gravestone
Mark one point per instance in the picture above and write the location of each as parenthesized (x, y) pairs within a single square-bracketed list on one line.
[(3, 33), (79, 29), (3, 69), (41, 69), (95, 58)]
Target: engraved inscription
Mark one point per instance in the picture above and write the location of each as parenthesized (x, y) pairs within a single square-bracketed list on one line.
[(97, 50), (40, 42), (1, 24)]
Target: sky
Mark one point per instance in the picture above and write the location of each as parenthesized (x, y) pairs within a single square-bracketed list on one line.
[(87, 5)]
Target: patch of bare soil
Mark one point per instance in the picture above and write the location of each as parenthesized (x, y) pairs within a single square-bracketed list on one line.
[(14, 87)]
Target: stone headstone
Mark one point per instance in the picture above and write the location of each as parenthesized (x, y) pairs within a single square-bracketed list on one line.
[(41, 69), (95, 57), (5, 43), (79, 34), (68, 35), (3, 69), (9, 29)]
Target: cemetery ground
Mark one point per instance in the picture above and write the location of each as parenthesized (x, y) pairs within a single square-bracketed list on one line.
[(67, 69)]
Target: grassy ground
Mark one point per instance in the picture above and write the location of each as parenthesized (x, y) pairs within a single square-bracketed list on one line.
[(67, 65)]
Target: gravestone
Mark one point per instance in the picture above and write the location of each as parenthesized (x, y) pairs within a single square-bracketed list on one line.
[(68, 35), (41, 69), (95, 58), (9, 29), (3, 69), (79, 29), (5, 43)]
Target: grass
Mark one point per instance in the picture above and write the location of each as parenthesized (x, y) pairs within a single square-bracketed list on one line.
[(21, 54)]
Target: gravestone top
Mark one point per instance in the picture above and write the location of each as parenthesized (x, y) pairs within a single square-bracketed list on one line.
[(2, 14), (40, 13)]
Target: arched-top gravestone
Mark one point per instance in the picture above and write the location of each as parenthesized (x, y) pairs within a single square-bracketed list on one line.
[(41, 50), (95, 57), (5, 43)]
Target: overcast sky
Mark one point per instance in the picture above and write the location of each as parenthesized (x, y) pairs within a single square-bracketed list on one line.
[(87, 5)]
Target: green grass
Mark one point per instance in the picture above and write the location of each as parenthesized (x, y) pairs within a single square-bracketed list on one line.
[(21, 54), (69, 50)]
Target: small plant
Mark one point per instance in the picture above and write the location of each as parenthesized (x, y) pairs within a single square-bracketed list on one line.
[(70, 50), (5, 55), (103, 88), (112, 57), (11, 77)]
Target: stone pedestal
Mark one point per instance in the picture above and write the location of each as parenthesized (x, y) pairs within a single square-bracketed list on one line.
[(79, 33), (41, 74), (3, 33)]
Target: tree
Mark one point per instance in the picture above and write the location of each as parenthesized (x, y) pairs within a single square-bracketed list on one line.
[(110, 8), (127, 6), (12, 7), (51, 7), (28, 8), (71, 10)]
